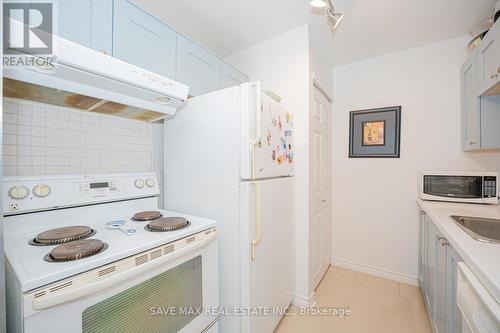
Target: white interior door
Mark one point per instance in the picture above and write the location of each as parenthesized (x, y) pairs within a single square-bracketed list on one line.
[(319, 182)]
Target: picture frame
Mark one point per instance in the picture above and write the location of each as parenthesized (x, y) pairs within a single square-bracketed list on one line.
[(375, 133)]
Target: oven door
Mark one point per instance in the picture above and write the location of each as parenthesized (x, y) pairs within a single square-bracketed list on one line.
[(461, 188), (169, 292)]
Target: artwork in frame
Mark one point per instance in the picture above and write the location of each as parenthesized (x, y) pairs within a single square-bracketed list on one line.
[(375, 132)]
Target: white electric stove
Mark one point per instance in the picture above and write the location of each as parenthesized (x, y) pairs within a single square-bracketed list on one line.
[(95, 254)]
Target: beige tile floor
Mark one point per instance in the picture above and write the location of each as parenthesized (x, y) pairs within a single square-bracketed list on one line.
[(376, 305)]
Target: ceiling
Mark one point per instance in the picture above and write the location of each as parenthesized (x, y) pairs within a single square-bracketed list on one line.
[(370, 28)]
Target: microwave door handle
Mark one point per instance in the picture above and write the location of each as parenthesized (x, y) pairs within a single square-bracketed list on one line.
[(92, 288)]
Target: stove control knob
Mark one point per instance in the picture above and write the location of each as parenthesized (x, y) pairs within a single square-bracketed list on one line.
[(139, 183), (41, 190), (18, 192), (150, 182)]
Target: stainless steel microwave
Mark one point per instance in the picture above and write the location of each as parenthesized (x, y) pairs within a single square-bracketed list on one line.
[(471, 187)]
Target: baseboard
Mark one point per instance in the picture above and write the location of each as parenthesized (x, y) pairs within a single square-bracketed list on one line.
[(304, 302), (376, 271)]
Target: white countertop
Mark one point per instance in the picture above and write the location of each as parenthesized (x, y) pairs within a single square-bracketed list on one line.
[(483, 258)]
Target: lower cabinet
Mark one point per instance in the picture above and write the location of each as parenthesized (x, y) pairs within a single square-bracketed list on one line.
[(453, 315), (438, 277)]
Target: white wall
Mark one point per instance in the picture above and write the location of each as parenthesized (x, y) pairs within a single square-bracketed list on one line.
[(320, 67), (282, 65), (375, 223)]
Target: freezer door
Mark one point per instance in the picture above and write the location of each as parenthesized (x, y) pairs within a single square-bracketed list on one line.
[(267, 135), (267, 251)]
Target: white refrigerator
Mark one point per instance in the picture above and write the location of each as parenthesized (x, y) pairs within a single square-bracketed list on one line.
[(229, 155)]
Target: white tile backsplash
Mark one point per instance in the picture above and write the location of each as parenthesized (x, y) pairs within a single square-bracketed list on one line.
[(40, 139)]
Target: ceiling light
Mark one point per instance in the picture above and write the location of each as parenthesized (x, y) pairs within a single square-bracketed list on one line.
[(335, 19), (318, 3)]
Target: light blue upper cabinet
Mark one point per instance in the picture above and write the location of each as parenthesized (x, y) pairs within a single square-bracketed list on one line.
[(230, 77), (142, 40), (488, 64), (87, 22), (197, 67)]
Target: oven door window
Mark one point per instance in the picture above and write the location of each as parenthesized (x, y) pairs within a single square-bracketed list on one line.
[(466, 187), (148, 306)]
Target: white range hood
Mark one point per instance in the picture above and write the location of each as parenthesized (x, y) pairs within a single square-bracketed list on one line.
[(93, 81)]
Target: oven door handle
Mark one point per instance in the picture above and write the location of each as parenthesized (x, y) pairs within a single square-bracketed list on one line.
[(71, 294)]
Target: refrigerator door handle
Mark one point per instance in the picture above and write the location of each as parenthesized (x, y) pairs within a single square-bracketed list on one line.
[(258, 126), (258, 112), (258, 220)]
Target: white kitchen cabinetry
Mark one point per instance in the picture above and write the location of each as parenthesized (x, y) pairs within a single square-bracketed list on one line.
[(229, 76), (437, 277), (197, 67), (489, 60)]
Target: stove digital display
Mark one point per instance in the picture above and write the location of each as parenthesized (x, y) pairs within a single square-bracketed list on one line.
[(99, 185)]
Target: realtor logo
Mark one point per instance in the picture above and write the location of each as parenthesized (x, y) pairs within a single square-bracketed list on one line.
[(27, 28)]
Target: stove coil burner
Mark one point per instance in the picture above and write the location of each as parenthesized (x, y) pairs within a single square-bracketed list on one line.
[(62, 235), (76, 250), (146, 216), (167, 224)]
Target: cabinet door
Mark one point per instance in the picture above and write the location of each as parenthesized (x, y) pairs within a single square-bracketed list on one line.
[(470, 105), (489, 59), (430, 268), (142, 40), (197, 67), (453, 314), (422, 257), (440, 290), (87, 22), (230, 77)]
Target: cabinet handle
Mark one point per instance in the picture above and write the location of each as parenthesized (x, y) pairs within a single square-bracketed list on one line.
[(472, 143), (444, 242)]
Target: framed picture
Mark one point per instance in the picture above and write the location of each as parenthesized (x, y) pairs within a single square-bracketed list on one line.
[(375, 132)]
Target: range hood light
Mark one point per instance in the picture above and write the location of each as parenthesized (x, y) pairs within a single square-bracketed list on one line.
[(44, 66), (163, 100), (318, 3)]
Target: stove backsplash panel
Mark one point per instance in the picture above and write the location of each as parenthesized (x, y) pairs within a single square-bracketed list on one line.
[(41, 139)]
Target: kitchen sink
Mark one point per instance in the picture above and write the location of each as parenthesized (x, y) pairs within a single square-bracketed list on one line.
[(481, 229)]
